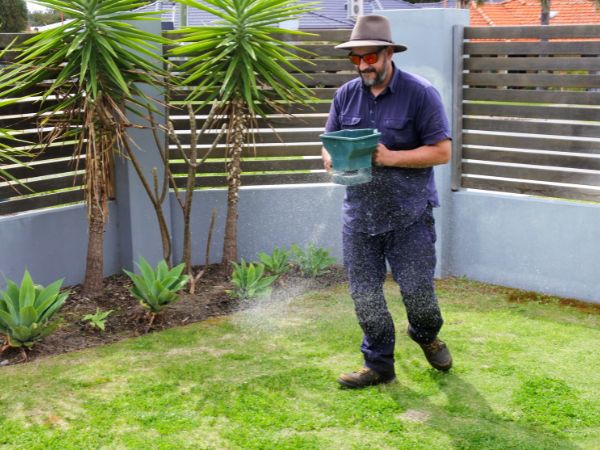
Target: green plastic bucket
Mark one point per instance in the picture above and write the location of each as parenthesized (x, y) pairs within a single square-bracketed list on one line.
[(351, 152)]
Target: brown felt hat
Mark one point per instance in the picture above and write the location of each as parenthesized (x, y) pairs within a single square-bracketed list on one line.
[(371, 31)]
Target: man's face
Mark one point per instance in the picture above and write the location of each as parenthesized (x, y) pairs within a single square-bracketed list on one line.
[(372, 73)]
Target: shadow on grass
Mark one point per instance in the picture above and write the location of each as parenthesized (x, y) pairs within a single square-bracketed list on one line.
[(469, 421)]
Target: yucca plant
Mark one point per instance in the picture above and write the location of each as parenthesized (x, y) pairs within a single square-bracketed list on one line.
[(93, 66), (26, 311), (312, 261), (241, 65), (157, 287), (278, 262), (249, 280)]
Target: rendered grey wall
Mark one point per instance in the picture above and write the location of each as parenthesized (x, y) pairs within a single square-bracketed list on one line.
[(51, 244), (428, 35), (268, 218), (544, 245), (139, 233)]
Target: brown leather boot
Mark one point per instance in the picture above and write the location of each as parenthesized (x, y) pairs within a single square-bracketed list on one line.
[(436, 352), (364, 377)]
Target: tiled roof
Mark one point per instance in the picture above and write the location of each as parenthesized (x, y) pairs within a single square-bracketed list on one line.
[(528, 12)]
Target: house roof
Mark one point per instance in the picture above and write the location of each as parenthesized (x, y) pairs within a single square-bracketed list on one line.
[(528, 12), (331, 14)]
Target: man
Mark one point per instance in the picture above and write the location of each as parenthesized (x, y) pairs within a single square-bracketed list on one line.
[(390, 218)]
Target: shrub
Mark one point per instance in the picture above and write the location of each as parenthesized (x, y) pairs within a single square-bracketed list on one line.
[(156, 288), (26, 310), (278, 262), (313, 261), (249, 280), (98, 320)]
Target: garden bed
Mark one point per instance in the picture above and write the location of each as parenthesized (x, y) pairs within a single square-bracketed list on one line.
[(129, 319)]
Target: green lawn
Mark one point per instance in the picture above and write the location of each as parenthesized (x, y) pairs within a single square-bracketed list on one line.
[(526, 376)]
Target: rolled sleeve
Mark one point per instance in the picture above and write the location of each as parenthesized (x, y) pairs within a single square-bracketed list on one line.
[(432, 122)]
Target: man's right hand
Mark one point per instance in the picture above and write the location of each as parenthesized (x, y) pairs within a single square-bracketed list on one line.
[(326, 159)]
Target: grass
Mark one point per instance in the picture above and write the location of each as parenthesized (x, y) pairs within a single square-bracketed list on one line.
[(526, 376)]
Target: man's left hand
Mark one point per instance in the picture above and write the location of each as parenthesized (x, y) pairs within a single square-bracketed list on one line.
[(420, 157), (382, 156)]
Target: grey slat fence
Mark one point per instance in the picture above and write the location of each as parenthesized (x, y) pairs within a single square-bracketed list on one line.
[(528, 110), (290, 144), (53, 176), (287, 149)]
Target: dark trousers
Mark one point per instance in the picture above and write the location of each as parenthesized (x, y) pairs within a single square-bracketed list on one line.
[(410, 253)]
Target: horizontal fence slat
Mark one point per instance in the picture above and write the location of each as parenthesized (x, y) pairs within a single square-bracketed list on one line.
[(529, 63), (536, 112), (531, 173), (533, 32), (38, 186), (260, 180), (42, 201), (28, 137), (532, 48), (319, 35), (318, 93), (310, 66), (47, 168), (27, 106), (264, 137), (313, 108), (532, 143), (531, 80), (308, 51), (182, 123), (254, 166), (259, 151), (541, 159), (323, 65), (325, 79), (523, 187), (532, 96), (340, 35), (526, 126), (54, 152)]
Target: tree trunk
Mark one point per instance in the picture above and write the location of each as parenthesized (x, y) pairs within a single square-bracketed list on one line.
[(94, 271), (234, 145), (99, 188)]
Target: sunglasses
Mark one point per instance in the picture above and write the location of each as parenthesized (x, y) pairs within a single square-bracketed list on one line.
[(369, 58)]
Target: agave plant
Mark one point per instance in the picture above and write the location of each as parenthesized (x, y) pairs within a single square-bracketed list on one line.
[(278, 262), (242, 67), (312, 261), (249, 280), (93, 66), (156, 288), (26, 310)]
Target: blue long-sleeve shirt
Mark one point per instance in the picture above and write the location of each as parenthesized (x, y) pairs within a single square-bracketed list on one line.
[(408, 113)]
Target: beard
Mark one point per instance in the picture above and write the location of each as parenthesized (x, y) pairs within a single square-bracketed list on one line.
[(379, 78)]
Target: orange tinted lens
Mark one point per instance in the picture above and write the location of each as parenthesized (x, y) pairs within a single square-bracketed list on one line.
[(355, 59), (370, 58)]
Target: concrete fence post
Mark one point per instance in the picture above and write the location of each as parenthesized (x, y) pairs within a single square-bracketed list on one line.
[(139, 233), (429, 36)]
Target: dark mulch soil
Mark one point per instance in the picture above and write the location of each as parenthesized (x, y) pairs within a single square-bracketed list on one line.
[(129, 319)]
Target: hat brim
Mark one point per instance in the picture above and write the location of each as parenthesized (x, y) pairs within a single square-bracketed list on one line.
[(369, 43)]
